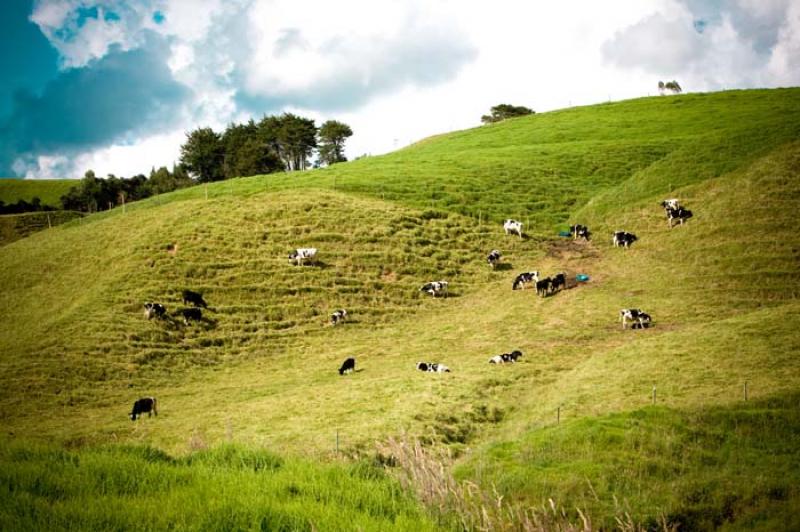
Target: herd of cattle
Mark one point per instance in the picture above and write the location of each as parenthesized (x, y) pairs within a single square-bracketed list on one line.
[(676, 214)]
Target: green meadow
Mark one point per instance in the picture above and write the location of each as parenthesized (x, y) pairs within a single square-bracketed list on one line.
[(573, 421)]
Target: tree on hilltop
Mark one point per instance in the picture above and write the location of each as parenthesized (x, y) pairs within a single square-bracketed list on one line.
[(671, 86), (502, 111), (332, 135), (202, 154)]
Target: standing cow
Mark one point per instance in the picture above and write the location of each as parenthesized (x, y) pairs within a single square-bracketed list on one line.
[(145, 405)]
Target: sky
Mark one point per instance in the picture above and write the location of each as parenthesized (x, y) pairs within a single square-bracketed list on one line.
[(114, 85)]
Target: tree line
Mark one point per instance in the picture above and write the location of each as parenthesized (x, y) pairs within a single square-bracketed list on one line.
[(274, 144), (35, 205)]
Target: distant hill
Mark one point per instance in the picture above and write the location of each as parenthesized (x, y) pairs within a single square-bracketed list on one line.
[(572, 421), (47, 190)]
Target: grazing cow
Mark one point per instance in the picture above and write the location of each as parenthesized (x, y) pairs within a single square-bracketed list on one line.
[(156, 310), (621, 238), (512, 226), (579, 231), (636, 315), (145, 405), (301, 255), (506, 357), (347, 366), (524, 279), (670, 203), (435, 288), (643, 322), (193, 298), (543, 287), (191, 314), (558, 282), (338, 316), (678, 215), (494, 258), (432, 367)]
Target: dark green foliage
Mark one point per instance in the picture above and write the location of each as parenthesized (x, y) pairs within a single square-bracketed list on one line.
[(332, 136), (203, 155), (503, 111), (226, 488), (700, 469), (35, 205)]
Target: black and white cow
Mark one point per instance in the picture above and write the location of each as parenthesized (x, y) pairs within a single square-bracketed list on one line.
[(644, 321), (347, 366), (543, 287), (672, 203), (154, 310), (524, 279), (579, 231), (494, 258), (145, 405), (559, 282), (191, 314), (432, 367), (301, 255), (506, 357), (338, 316), (512, 226), (635, 315), (678, 215), (435, 288), (193, 298), (624, 239)]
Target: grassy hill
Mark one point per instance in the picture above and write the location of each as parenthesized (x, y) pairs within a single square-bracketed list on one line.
[(47, 190), (261, 369)]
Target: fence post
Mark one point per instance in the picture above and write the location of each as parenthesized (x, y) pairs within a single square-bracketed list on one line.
[(558, 415), (337, 441), (654, 395), (206, 189), (48, 221), (745, 390)]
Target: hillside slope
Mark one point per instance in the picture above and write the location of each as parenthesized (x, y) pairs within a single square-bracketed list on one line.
[(723, 291)]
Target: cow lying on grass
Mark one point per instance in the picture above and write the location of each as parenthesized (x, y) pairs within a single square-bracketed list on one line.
[(624, 239), (506, 357), (432, 367)]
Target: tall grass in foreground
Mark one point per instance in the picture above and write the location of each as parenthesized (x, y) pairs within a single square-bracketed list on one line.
[(226, 488), (429, 475)]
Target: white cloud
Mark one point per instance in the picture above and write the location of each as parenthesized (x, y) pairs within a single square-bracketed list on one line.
[(399, 71)]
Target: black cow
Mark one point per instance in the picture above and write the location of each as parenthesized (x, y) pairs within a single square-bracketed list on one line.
[(494, 258), (432, 367), (156, 310), (543, 287), (524, 279), (678, 215), (193, 298), (191, 314), (558, 282), (579, 231), (145, 405), (347, 366), (338, 316), (624, 239)]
